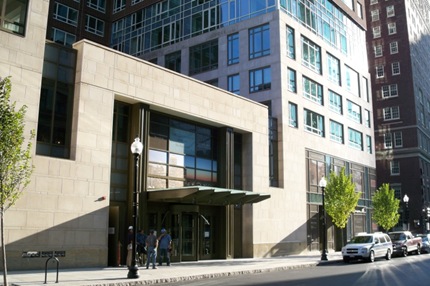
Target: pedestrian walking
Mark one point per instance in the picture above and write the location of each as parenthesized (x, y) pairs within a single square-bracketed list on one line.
[(141, 246), (165, 246), (151, 249)]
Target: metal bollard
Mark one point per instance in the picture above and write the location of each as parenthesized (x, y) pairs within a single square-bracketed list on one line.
[(46, 267)]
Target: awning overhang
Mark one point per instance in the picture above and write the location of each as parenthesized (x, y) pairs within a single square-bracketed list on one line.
[(206, 196)]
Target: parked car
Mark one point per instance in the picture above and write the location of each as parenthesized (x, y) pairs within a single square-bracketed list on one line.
[(368, 246), (404, 242), (425, 247)]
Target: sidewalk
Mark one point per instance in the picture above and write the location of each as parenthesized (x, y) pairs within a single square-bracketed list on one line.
[(183, 271)]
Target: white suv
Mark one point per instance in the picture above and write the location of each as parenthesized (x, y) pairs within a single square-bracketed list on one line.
[(368, 246)]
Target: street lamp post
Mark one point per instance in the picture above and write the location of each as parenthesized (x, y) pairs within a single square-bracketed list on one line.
[(136, 149), (406, 200), (323, 184)]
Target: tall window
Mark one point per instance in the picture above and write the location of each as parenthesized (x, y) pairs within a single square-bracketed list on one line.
[(173, 61), (392, 29), (367, 118), (394, 48), (335, 102), (333, 66), (312, 90), (13, 15), (311, 55), (369, 144), (314, 122), (379, 71), (391, 113), (390, 11), (291, 46), (395, 68), (395, 168), (260, 79), (388, 141), (95, 26), (204, 57), (292, 108), (355, 139), (66, 14), (398, 140), (378, 51), (354, 111), (234, 83), (259, 41), (56, 102), (376, 32), (292, 82), (352, 81), (336, 131), (375, 15), (233, 49)]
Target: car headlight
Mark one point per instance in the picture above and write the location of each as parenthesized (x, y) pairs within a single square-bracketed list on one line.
[(364, 250)]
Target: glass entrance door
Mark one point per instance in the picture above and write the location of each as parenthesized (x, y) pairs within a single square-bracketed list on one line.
[(189, 241)]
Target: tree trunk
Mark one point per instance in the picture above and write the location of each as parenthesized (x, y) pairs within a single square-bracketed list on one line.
[(3, 248)]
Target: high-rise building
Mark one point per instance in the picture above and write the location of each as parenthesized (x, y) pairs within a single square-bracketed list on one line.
[(399, 60), (232, 158)]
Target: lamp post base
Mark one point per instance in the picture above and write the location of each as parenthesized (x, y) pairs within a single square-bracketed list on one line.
[(324, 256), (133, 272)]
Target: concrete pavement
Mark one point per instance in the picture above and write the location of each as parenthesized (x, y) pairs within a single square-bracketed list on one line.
[(117, 276)]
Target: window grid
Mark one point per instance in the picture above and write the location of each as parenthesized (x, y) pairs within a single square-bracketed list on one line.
[(391, 113), (99, 5), (354, 111), (378, 51), (95, 26), (62, 37), (390, 11), (312, 90), (260, 79), (292, 83), (389, 91), (395, 168), (293, 122), (311, 55), (376, 32), (392, 29), (234, 84), (380, 71), (66, 14), (259, 41), (335, 102), (374, 15), (336, 131), (398, 140), (394, 48), (118, 5), (313, 122), (395, 68), (291, 45), (355, 139), (333, 66), (233, 52), (369, 144), (388, 141)]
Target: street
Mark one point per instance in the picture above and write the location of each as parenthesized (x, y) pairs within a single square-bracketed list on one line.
[(411, 270)]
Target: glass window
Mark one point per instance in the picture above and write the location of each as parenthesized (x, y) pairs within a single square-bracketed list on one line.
[(369, 144), (367, 118), (389, 91), (335, 102), (259, 41), (314, 122), (293, 122), (351, 81), (66, 14), (233, 52), (99, 5), (118, 5), (376, 32), (355, 139), (333, 66), (379, 71), (292, 84), (234, 83), (336, 131), (395, 168), (204, 57), (260, 79), (392, 29), (375, 15), (311, 55), (388, 141), (394, 48), (13, 15), (173, 61), (378, 51), (390, 11), (354, 111), (291, 45), (95, 26), (398, 140), (395, 68), (312, 90), (63, 38), (391, 113)]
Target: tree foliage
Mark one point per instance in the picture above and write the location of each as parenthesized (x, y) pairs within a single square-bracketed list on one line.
[(15, 162), (340, 197), (385, 207)]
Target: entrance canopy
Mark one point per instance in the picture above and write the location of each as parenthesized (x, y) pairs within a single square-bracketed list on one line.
[(205, 196)]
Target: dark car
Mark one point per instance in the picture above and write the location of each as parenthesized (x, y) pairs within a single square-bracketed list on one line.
[(425, 247)]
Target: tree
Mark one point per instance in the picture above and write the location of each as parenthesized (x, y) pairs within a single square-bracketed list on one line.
[(340, 197), (15, 165), (385, 207)]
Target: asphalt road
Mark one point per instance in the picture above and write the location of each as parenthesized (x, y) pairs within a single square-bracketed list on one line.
[(399, 271)]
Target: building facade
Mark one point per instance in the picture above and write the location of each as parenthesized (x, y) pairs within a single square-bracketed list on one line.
[(398, 41), (232, 158)]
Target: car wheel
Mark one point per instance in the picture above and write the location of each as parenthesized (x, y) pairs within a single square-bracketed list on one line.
[(388, 255), (346, 259), (371, 256), (405, 252), (418, 249)]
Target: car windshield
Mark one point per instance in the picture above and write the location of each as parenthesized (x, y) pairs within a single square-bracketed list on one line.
[(397, 236), (362, 239)]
